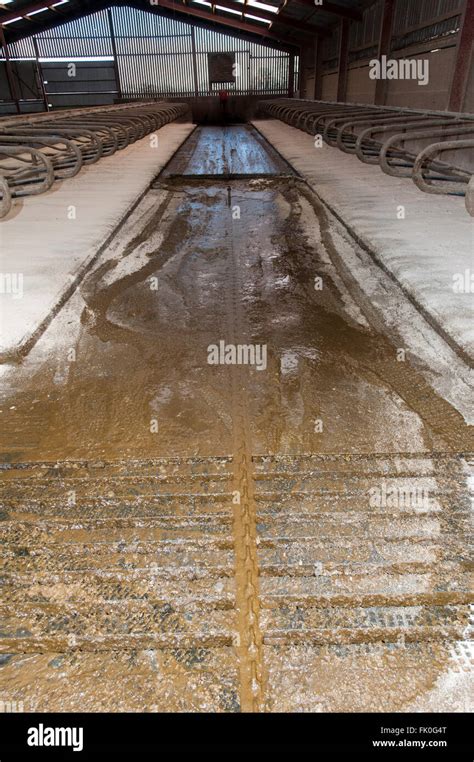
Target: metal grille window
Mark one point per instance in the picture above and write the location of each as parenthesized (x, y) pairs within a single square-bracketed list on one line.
[(331, 49), (424, 21), (366, 33), (155, 54), (409, 14), (86, 37)]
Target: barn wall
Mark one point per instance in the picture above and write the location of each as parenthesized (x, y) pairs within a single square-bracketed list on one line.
[(360, 88), (94, 84), (329, 87)]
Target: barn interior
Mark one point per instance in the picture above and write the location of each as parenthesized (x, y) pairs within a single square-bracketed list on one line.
[(236, 355)]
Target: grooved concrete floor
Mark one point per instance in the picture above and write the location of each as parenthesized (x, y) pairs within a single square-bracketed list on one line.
[(289, 534)]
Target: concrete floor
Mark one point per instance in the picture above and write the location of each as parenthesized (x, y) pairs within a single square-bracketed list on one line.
[(423, 240), (51, 239), (288, 535)]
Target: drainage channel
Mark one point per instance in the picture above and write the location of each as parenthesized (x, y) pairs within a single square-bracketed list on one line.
[(242, 155)]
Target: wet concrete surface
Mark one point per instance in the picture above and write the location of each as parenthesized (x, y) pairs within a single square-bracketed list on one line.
[(233, 150), (220, 534)]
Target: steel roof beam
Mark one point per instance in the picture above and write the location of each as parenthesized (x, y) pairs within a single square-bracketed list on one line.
[(354, 14), (267, 15), (246, 26), (167, 7), (27, 9)]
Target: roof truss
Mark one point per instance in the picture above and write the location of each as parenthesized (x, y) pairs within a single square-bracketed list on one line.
[(247, 29)]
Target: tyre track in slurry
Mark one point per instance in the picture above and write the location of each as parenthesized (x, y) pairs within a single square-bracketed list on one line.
[(245, 516)]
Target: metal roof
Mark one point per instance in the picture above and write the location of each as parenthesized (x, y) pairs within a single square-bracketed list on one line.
[(289, 22)]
